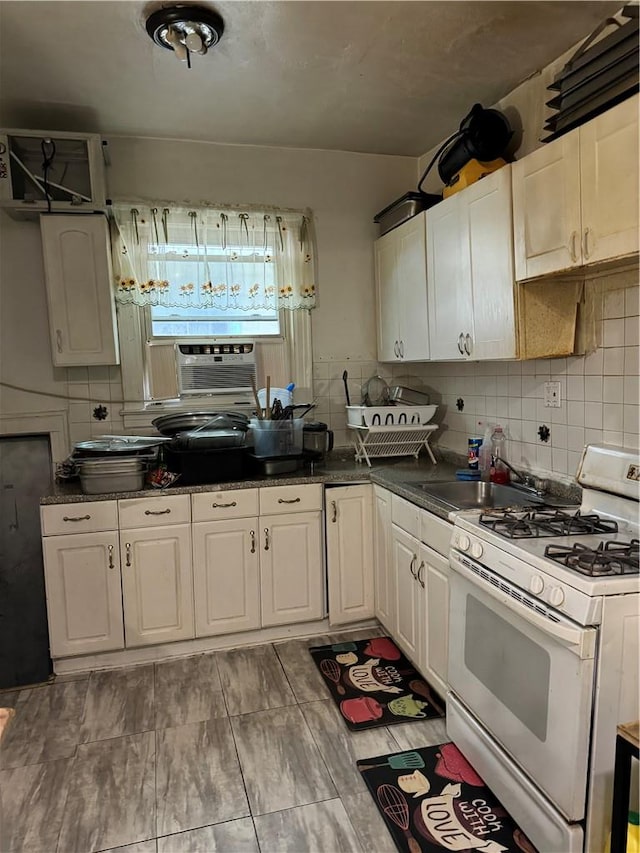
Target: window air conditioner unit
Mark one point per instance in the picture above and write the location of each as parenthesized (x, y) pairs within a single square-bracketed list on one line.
[(206, 368)]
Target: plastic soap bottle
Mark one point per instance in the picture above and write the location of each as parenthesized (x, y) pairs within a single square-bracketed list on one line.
[(484, 456), (499, 472)]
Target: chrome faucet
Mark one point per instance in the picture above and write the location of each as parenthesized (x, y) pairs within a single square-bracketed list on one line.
[(527, 482)]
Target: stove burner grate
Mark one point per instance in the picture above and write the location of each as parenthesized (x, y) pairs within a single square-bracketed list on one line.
[(609, 558), (544, 522)]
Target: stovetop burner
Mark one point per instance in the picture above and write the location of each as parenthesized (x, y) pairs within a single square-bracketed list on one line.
[(609, 558), (544, 522)]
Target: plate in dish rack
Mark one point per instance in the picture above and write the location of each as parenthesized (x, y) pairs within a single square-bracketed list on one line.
[(397, 416)]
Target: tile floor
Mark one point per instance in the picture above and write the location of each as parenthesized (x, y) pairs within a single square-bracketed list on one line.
[(238, 750)]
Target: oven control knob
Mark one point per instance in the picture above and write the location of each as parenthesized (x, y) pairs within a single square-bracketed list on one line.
[(463, 542), (476, 550), (536, 585), (556, 596)]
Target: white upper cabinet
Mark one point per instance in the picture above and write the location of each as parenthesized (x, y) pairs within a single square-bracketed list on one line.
[(77, 266), (575, 200), (470, 272), (401, 293)]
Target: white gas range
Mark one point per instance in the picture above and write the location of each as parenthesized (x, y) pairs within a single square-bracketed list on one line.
[(543, 650)]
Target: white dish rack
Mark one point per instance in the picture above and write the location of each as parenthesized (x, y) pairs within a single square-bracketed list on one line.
[(382, 431)]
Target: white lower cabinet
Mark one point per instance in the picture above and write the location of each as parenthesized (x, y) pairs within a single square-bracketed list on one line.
[(84, 599), (433, 577), (157, 584), (409, 607), (226, 576), (349, 528), (383, 575), (291, 567)]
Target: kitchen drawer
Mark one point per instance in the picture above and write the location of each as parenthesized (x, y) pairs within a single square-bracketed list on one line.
[(152, 512), (406, 515), (435, 532), (290, 499), (88, 517), (215, 506)]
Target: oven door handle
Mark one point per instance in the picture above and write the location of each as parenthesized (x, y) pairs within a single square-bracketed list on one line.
[(580, 641)]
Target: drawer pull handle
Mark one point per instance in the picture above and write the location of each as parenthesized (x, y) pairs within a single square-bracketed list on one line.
[(128, 550), (157, 511), (285, 501), (420, 568), (266, 539), (252, 534), (224, 506), (110, 549), (76, 518), (334, 508)]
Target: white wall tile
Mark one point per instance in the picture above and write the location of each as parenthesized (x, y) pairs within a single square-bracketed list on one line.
[(632, 302), (593, 389), (593, 415), (614, 361), (612, 389), (575, 438), (612, 416), (613, 304), (575, 365), (559, 460), (613, 333), (631, 361), (631, 393), (631, 440), (612, 437), (631, 419), (575, 387), (529, 408), (573, 461), (593, 362), (559, 435), (575, 414), (543, 457), (631, 332)]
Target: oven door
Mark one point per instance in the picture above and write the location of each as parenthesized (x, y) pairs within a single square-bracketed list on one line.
[(527, 675)]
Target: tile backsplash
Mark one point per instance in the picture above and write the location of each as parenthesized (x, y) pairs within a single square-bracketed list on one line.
[(598, 392), (90, 388)]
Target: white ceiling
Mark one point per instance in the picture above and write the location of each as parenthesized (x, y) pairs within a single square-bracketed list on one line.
[(380, 77)]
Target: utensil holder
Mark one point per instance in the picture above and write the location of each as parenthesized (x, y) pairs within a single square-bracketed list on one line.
[(277, 438)]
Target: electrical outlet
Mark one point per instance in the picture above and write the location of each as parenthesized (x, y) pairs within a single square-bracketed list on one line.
[(552, 395)]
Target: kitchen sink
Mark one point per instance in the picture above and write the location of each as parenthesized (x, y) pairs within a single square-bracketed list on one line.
[(479, 495)]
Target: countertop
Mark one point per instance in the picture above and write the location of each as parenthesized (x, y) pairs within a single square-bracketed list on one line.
[(400, 476)]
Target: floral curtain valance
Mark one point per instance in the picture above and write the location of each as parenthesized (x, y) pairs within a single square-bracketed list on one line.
[(228, 259)]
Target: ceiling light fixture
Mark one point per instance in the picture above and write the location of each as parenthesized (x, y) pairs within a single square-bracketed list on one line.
[(185, 30)]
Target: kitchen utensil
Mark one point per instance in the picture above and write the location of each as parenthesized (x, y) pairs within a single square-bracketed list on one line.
[(395, 807), (317, 439), (112, 474), (277, 438), (255, 397), (209, 439), (272, 465), (345, 376), (267, 404), (375, 392), (276, 410), (408, 396), (331, 670), (403, 761), (185, 421), (109, 446)]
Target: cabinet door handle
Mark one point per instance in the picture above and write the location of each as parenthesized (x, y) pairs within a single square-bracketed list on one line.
[(460, 337), (76, 518), (419, 576), (59, 339), (110, 549), (128, 550), (224, 506), (266, 539), (585, 243), (396, 349), (467, 344), (252, 534), (292, 501), (401, 349), (334, 512), (573, 240), (412, 565), (158, 511)]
